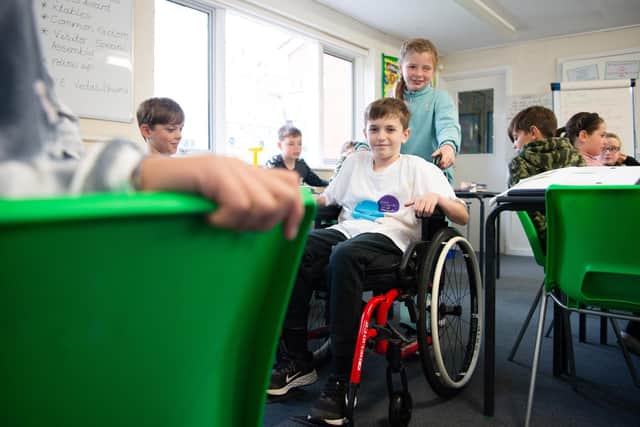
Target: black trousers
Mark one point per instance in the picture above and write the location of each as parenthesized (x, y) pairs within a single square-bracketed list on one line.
[(339, 265)]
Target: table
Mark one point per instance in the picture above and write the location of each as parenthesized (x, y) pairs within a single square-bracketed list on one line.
[(515, 200), (480, 196)]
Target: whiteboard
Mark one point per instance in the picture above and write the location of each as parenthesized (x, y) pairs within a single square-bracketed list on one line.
[(87, 48), (613, 100)]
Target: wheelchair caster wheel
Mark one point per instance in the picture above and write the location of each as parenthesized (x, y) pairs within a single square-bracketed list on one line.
[(400, 407)]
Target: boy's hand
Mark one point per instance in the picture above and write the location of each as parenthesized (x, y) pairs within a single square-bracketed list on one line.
[(248, 197), (447, 156), (321, 200), (425, 205)]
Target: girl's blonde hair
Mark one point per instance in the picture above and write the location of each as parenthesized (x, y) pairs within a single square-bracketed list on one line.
[(414, 46)]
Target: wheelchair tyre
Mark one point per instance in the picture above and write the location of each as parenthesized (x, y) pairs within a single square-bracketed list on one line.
[(449, 313), (400, 408)]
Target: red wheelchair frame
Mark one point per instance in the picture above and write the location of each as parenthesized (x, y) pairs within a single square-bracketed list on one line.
[(424, 264)]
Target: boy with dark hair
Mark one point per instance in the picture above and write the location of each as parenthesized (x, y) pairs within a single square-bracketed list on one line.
[(290, 145), (382, 193), (160, 121), (532, 133)]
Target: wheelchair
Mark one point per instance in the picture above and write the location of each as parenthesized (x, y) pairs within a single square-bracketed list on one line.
[(438, 281)]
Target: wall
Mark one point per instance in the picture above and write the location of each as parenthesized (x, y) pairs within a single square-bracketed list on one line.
[(532, 66), (305, 16)]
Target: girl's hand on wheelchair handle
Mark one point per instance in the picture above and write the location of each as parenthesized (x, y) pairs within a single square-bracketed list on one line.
[(444, 157)]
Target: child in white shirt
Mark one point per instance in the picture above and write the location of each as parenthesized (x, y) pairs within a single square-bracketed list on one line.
[(382, 194)]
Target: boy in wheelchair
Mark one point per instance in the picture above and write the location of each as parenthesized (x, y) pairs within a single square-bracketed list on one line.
[(382, 194)]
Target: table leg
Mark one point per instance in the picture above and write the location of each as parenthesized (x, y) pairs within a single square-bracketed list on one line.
[(482, 242), (498, 249), (490, 312)]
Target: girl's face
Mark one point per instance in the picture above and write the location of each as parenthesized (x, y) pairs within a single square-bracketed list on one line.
[(592, 143), (163, 139), (417, 70), (610, 152)]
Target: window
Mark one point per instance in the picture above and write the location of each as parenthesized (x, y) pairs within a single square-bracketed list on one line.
[(476, 121), (181, 67), (337, 93), (275, 77), (272, 76)]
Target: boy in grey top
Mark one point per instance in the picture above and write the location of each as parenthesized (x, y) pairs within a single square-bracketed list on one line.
[(41, 152)]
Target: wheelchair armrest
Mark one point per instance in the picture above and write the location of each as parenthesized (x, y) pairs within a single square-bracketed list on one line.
[(409, 264), (433, 223), (327, 216)]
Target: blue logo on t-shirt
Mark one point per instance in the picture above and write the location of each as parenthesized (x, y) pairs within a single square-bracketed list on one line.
[(371, 211)]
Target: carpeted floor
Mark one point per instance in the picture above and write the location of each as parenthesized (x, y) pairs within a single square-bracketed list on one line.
[(602, 395)]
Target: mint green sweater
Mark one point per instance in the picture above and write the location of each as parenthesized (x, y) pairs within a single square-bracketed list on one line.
[(434, 122)]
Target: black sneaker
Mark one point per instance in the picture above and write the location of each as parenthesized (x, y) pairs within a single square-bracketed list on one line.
[(291, 373), (331, 406)]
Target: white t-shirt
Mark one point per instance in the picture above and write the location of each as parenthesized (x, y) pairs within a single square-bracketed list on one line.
[(373, 202)]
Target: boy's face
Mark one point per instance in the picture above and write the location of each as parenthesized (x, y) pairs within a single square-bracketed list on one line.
[(291, 147), (417, 70), (610, 151), (385, 137), (163, 139), (522, 138)]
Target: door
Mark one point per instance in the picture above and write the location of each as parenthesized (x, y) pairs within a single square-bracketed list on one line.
[(485, 149)]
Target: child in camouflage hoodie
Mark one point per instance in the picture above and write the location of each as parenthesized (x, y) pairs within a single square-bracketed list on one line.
[(532, 132)]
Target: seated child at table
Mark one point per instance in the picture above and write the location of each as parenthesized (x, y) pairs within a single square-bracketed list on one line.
[(348, 148), (532, 133), (587, 132), (290, 145), (40, 148), (160, 121), (612, 155), (381, 193)]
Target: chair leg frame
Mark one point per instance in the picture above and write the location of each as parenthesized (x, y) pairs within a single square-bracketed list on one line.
[(525, 325), (625, 353), (538, 348), (536, 358)]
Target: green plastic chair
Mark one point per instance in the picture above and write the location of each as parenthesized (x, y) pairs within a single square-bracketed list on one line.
[(540, 258), (587, 263), (130, 310)]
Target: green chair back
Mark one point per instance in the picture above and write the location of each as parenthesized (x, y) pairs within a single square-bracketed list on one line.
[(532, 236), (130, 310), (592, 245)]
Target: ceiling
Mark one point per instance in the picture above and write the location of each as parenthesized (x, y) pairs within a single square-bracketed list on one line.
[(456, 25)]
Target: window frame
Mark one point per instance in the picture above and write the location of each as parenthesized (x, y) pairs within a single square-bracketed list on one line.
[(328, 50), (339, 48), (212, 23)]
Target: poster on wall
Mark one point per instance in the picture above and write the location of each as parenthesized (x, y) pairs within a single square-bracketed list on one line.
[(390, 74)]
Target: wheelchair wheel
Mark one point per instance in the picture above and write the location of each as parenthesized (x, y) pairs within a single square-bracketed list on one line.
[(449, 312), (400, 408)]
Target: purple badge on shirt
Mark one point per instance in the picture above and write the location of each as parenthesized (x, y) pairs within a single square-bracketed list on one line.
[(388, 203)]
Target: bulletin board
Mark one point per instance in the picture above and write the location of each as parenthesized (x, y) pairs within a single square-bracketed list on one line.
[(615, 65), (390, 75), (87, 48)]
